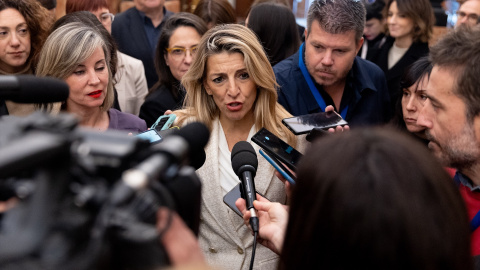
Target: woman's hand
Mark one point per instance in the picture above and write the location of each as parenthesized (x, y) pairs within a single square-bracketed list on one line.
[(273, 219)]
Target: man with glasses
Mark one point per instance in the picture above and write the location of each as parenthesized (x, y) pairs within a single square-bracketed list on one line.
[(468, 13), (325, 71), (137, 30)]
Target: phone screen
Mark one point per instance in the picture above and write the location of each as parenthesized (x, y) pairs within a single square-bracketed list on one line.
[(276, 147), (150, 135), (305, 123)]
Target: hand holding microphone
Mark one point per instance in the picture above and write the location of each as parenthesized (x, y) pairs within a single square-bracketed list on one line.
[(244, 164)]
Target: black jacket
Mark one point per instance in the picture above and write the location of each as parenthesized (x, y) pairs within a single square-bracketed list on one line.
[(394, 75)]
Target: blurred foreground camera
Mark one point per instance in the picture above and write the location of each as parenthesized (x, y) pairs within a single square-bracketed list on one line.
[(88, 200)]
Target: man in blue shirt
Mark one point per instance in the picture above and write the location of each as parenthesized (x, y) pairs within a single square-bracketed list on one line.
[(325, 70), (137, 30)]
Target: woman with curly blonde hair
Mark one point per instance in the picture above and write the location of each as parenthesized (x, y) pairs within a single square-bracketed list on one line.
[(231, 88)]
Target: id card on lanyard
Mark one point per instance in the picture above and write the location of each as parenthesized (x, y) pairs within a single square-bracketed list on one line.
[(311, 85)]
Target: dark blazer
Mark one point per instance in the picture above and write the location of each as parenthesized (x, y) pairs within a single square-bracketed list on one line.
[(158, 102), (394, 75), (128, 31)]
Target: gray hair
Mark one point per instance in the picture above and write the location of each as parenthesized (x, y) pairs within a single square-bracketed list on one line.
[(68, 46), (338, 16)]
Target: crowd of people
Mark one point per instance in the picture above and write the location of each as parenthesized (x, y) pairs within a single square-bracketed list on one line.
[(398, 188)]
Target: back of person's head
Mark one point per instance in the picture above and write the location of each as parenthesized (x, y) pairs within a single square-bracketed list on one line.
[(48, 4), (421, 14), (280, 2), (90, 20), (338, 16), (374, 10), (38, 21), (88, 5), (459, 50), (215, 12), (67, 47), (175, 21), (374, 199), (276, 28)]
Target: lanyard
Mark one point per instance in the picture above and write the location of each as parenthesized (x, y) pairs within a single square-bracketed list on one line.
[(475, 222), (311, 85)]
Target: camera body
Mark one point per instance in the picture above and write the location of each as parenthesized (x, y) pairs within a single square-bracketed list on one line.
[(74, 208)]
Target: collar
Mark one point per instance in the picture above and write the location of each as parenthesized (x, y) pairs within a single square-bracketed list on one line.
[(465, 181)]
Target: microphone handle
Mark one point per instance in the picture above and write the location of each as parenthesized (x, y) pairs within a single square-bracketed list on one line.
[(249, 188)]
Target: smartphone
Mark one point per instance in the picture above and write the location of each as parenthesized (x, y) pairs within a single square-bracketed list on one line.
[(305, 123), (164, 122), (277, 148), (279, 167), (150, 135), (232, 196)]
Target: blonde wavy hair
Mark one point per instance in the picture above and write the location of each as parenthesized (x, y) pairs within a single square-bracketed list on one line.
[(66, 48), (234, 38)]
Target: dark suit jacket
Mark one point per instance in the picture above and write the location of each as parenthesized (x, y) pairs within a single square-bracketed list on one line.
[(129, 33), (394, 75), (158, 102)]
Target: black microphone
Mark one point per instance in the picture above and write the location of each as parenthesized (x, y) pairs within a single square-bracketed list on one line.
[(179, 148), (31, 89), (244, 164)]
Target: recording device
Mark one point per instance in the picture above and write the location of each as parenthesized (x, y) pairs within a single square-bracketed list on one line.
[(232, 196), (305, 123), (31, 89), (277, 148), (279, 167), (164, 122), (150, 135), (244, 164), (88, 200)]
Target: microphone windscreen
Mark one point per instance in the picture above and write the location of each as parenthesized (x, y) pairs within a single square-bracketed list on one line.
[(197, 159), (243, 154), (31, 89), (196, 134)]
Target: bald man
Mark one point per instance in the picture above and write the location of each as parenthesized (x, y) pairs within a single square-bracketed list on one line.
[(468, 13)]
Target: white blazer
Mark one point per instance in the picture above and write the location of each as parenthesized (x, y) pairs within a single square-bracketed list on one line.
[(131, 83), (225, 240)]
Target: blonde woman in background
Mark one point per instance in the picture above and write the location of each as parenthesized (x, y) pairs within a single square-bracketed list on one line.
[(78, 54)]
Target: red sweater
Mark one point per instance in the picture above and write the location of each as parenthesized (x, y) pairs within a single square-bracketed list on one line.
[(472, 201)]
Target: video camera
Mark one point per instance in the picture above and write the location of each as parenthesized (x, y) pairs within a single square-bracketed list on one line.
[(88, 200)]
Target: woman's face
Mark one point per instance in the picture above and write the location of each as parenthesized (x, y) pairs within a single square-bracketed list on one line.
[(373, 28), (88, 82), (232, 88), (105, 17), (15, 43), (412, 102), (399, 25), (182, 48)]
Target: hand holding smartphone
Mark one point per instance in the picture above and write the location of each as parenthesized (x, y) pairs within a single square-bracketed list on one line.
[(305, 123), (164, 122), (232, 196)]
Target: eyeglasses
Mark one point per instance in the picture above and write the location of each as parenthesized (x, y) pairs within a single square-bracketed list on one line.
[(471, 17), (179, 52), (106, 18)]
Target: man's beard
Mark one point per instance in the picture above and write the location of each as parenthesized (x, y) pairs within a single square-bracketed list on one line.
[(460, 151)]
